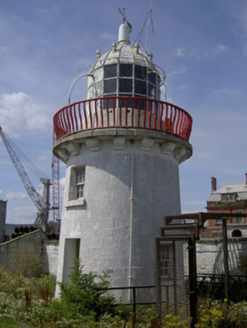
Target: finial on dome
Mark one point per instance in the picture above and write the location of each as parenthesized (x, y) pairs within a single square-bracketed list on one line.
[(150, 55), (98, 54), (114, 46), (124, 29), (137, 47)]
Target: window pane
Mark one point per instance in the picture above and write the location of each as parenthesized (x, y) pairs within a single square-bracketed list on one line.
[(151, 91), (110, 86), (125, 85), (151, 77), (140, 87), (140, 72), (80, 190), (125, 70), (110, 71), (80, 176)]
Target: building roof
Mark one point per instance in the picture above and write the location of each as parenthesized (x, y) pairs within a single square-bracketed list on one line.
[(238, 188)]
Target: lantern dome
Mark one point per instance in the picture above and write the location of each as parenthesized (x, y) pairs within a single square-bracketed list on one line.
[(124, 71)]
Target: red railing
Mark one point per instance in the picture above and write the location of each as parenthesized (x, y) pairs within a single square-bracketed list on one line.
[(122, 112)]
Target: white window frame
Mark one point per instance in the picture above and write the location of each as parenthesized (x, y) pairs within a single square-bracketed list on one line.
[(80, 182), (74, 192)]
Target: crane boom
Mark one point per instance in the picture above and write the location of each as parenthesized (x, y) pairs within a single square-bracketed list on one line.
[(41, 203)]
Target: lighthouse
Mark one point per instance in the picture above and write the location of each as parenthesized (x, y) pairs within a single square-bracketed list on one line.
[(122, 147)]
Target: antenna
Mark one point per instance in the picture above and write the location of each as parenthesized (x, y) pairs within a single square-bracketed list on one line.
[(147, 20)]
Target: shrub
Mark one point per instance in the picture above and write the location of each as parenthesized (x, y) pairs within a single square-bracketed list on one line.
[(29, 260), (86, 293)]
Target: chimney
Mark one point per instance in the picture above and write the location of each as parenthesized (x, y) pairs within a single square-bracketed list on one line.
[(213, 184), (246, 179)]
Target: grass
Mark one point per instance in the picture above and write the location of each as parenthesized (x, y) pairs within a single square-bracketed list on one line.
[(8, 322)]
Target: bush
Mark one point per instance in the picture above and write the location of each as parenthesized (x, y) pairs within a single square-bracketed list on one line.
[(86, 294), (30, 260)]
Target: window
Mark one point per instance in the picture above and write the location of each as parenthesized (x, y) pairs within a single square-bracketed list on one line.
[(75, 193), (228, 198), (140, 72), (110, 86), (80, 180), (110, 71), (165, 265), (125, 70), (239, 219), (216, 234), (125, 85)]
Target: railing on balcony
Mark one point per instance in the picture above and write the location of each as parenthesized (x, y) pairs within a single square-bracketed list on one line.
[(122, 112)]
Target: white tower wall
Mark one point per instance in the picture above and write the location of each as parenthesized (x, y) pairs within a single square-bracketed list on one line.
[(131, 183)]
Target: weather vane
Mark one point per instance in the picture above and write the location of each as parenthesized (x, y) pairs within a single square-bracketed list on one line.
[(122, 12)]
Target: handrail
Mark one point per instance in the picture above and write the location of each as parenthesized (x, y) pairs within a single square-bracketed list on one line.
[(122, 112)]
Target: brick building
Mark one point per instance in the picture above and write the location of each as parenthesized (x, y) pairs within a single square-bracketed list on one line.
[(231, 198)]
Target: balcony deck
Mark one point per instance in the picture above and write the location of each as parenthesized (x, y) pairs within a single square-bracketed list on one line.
[(122, 112)]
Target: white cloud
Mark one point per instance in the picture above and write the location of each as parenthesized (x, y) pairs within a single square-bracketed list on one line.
[(227, 92), (179, 52), (22, 215), (18, 112), (16, 195), (108, 36), (221, 48), (182, 87), (180, 71)]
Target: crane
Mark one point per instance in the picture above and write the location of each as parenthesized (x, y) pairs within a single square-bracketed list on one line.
[(41, 203)]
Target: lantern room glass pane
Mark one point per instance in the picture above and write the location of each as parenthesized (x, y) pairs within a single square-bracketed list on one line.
[(110, 71), (140, 72), (140, 87), (151, 77), (125, 85), (110, 86), (151, 91), (125, 70)]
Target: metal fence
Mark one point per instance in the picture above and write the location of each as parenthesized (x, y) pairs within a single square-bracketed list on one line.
[(181, 296)]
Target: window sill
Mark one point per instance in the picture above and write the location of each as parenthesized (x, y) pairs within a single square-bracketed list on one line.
[(75, 202)]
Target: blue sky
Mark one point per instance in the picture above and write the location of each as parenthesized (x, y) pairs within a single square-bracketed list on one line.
[(201, 45)]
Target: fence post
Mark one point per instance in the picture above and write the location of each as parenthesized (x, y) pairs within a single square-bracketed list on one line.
[(134, 307), (192, 280), (225, 248)]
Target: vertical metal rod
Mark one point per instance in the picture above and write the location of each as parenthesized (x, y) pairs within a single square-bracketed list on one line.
[(192, 281), (175, 287), (158, 279), (134, 306), (225, 249)]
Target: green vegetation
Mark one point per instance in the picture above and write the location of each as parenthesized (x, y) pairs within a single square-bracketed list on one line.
[(7, 322), (85, 303)]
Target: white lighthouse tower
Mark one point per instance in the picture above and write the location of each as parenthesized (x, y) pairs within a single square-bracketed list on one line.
[(122, 147)]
